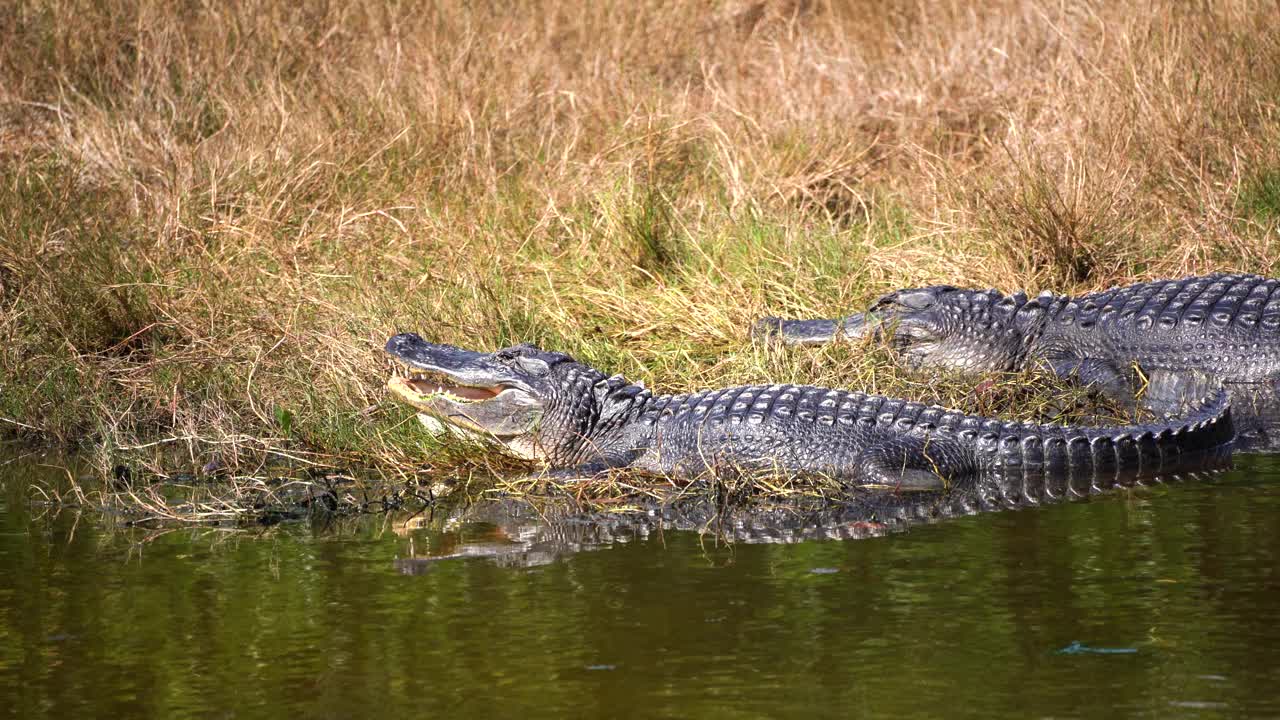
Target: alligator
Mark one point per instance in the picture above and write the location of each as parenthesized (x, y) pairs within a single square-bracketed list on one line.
[(1155, 345), (546, 407)]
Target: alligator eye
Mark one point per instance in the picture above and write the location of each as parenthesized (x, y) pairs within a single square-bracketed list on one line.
[(507, 354), (532, 365)]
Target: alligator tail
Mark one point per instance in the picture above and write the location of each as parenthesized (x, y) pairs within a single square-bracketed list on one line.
[(1199, 439), (1049, 460)]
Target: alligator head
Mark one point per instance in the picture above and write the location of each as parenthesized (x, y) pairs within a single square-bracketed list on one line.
[(944, 326), (535, 403)]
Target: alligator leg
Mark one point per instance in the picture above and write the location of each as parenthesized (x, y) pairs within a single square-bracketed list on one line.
[(1096, 373), (1258, 408), (1168, 392), (1161, 392), (907, 463), (1255, 406)]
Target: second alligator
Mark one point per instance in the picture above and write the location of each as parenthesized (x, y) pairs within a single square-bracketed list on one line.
[(1167, 342)]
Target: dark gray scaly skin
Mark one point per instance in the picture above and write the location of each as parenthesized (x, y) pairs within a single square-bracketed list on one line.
[(575, 418), (1166, 342)]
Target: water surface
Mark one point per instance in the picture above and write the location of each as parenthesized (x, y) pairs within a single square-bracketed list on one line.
[(1157, 602)]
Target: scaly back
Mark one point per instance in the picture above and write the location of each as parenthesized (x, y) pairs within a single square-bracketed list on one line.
[(1220, 323)]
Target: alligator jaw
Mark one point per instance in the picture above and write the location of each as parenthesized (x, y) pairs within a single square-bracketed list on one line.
[(419, 388), (424, 373), (858, 325), (480, 393)]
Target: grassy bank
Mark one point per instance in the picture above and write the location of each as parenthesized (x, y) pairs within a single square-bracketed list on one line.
[(211, 216)]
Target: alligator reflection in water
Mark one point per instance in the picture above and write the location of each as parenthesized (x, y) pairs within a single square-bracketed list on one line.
[(511, 533), (517, 533)]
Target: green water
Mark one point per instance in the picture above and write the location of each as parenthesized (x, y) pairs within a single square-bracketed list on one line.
[(1176, 587)]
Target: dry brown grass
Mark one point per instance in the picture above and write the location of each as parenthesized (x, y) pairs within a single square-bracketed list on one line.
[(213, 214)]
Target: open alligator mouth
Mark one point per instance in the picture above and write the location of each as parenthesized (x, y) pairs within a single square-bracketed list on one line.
[(420, 385)]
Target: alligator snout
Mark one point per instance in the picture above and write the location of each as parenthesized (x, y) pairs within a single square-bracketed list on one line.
[(796, 332), (811, 332)]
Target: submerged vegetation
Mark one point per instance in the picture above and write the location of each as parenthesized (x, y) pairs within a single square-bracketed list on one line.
[(211, 216)]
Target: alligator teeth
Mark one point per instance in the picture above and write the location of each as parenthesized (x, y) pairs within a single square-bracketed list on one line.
[(427, 383), (403, 371)]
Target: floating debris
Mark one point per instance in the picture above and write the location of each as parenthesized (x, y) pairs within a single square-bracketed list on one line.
[(1079, 648)]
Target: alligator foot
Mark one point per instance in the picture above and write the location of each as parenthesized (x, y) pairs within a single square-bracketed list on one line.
[(905, 466)]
